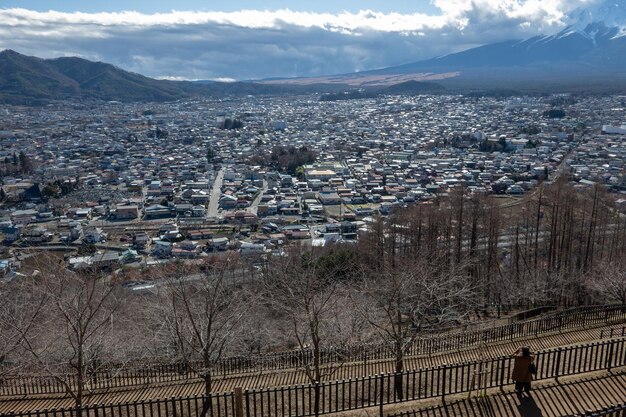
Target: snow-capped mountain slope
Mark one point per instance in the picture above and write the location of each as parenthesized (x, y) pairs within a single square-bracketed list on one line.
[(596, 32), (593, 43), (611, 13)]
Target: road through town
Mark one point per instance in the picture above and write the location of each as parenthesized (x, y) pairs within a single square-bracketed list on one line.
[(216, 192)]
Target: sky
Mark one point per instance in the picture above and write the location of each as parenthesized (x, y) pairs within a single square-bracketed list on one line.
[(162, 6), (255, 39)]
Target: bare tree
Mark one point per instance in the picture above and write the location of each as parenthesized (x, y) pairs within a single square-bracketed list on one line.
[(303, 288), (79, 309), (609, 281), (20, 310), (416, 294), (201, 309)]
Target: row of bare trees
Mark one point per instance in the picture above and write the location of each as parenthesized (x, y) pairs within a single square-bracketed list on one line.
[(549, 248), (69, 326)]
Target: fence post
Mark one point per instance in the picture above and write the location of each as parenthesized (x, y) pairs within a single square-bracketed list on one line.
[(247, 395), (443, 383), (609, 357), (557, 365), (381, 395), (238, 402), (503, 362)]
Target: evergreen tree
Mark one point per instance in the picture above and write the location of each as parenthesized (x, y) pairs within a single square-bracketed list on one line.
[(210, 155)]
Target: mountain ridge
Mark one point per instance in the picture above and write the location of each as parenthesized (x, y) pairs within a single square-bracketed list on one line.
[(26, 80), (588, 55), (31, 80), (586, 48)]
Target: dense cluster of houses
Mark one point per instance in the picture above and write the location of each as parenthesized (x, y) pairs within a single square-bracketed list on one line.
[(146, 182)]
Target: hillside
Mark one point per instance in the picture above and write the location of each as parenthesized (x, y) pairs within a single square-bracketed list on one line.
[(587, 56), (31, 80), (27, 80), (104, 81), (591, 59)]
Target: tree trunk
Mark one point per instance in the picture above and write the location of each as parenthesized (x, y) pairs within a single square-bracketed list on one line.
[(79, 381), (397, 379), (459, 242), (317, 364), (208, 400)]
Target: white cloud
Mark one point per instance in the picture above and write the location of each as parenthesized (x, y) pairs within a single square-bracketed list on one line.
[(253, 19), (255, 43)]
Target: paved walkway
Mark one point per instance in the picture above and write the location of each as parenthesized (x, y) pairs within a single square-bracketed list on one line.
[(550, 400)]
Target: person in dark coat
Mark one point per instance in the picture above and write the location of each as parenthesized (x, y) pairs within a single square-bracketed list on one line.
[(522, 375)]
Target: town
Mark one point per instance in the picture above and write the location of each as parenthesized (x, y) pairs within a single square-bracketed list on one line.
[(129, 185)]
